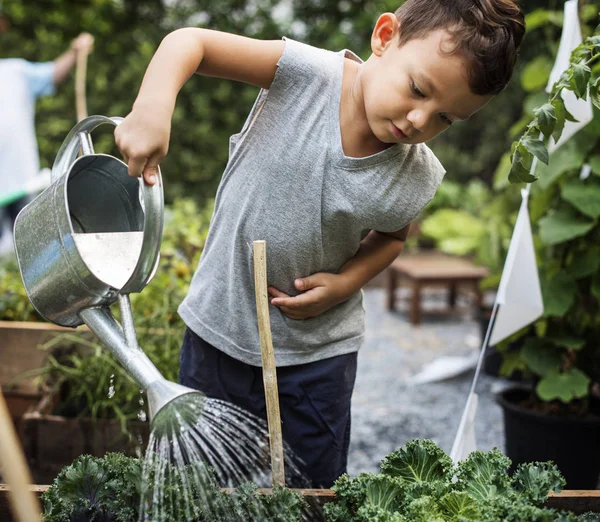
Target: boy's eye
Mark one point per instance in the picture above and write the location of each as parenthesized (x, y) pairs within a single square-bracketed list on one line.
[(445, 119), (416, 90)]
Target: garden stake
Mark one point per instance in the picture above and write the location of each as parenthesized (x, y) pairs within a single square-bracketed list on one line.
[(24, 503), (268, 363), (80, 75)]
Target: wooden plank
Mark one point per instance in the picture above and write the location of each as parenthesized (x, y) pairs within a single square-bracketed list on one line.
[(578, 501), (19, 351)]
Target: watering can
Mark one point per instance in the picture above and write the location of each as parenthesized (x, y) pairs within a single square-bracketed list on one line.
[(90, 239)]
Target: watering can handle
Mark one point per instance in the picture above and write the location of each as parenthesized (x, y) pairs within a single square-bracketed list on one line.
[(152, 196)]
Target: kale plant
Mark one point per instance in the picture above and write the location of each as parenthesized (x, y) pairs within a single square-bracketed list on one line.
[(109, 489), (419, 483)]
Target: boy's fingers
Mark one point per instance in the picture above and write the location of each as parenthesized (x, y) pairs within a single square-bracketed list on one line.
[(273, 292), (136, 166), (150, 174)]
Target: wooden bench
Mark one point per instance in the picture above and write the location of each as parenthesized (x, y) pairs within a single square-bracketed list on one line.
[(422, 270)]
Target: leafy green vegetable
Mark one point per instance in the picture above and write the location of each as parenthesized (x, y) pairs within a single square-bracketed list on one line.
[(109, 489), (419, 483)]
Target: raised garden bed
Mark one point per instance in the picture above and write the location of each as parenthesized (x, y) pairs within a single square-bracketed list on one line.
[(577, 501), (52, 442)]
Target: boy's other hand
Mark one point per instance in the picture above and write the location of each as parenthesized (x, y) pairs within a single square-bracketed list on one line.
[(143, 139), (320, 292)]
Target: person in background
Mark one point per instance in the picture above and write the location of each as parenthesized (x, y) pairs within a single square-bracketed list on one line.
[(21, 83)]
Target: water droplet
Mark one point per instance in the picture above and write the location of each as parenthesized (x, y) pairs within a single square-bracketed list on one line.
[(111, 387)]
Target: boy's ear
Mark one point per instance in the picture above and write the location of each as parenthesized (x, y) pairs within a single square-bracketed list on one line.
[(385, 33)]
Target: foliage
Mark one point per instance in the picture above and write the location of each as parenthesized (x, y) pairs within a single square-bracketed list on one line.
[(83, 371), (420, 483), (470, 220), (14, 304), (109, 488), (209, 110), (562, 349)]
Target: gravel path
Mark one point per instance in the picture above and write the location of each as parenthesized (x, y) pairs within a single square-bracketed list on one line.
[(388, 411)]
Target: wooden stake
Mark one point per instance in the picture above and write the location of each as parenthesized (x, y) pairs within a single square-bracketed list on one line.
[(80, 75), (268, 363), (23, 501)]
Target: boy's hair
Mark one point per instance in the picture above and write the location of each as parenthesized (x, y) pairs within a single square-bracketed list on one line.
[(486, 32)]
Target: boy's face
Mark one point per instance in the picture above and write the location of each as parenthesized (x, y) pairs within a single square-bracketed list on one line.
[(413, 92)]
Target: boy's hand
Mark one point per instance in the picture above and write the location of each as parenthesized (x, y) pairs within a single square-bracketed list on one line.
[(143, 139), (320, 292)]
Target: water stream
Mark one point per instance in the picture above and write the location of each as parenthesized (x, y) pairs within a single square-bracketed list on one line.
[(198, 444)]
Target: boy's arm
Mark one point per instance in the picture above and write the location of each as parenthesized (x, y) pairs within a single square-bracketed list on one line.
[(65, 62), (143, 136), (323, 291), (377, 251)]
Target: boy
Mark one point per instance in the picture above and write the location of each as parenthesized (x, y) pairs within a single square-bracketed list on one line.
[(329, 169)]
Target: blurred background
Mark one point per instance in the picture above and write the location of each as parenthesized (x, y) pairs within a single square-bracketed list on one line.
[(127, 32)]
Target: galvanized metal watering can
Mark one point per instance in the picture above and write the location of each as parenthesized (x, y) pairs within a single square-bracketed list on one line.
[(90, 239)]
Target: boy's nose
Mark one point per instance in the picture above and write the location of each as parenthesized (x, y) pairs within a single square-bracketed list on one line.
[(418, 119)]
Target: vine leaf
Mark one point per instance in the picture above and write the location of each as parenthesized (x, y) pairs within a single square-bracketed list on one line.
[(536, 147)]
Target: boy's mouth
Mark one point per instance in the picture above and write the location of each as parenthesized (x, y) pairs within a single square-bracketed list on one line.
[(398, 133)]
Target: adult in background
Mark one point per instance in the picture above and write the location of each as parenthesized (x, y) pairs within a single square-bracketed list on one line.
[(21, 83)]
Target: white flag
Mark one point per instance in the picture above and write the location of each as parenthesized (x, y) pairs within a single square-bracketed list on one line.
[(465, 442), (581, 109), (519, 294)]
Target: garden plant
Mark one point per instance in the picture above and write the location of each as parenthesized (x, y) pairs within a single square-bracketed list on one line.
[(562, 349), (417, 483)]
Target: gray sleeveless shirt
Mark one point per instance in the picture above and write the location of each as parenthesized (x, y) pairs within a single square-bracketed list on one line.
[(289, 183)]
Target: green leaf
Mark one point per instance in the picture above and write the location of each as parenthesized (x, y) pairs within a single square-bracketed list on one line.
[(563, 225), (457, 505), (536, 73), (595, 96), (570, 343), (536, 147), (594, 162), (420, 461), (585, 263), (558, 292), (541, 357), (536, 479), (483, 475), (568, 157), (512, 362), (521, 165), (560, 115), (573, 384), (585, 197), (581, 76), (546, 119)]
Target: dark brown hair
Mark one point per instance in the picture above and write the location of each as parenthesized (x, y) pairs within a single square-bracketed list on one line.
[(487, 33)]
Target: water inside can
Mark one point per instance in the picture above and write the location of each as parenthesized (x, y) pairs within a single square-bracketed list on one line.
[(110, 256)]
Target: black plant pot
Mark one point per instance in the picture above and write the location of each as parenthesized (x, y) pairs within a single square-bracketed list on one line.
[(572, 443)]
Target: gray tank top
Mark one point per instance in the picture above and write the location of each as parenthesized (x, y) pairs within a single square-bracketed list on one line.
[(289, 183)]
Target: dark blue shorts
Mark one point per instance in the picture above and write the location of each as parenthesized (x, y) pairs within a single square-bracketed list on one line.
[(314, 400)]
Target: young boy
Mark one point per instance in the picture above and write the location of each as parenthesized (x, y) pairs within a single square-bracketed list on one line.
[(329, 168)]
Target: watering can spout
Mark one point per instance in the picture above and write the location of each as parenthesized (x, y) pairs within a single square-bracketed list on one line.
[(162, 393), (137, 364)]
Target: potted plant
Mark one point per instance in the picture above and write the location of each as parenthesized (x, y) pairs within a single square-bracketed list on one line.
[(558, 418)]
